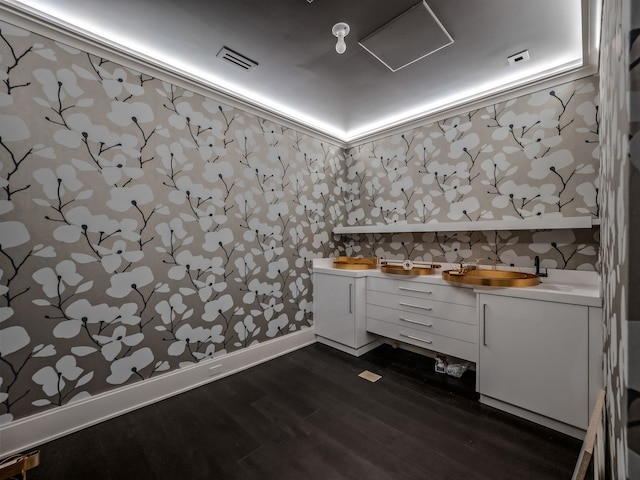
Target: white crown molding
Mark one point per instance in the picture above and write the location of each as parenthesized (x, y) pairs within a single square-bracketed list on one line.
[(35, 21), (29, 432), (475, 103)]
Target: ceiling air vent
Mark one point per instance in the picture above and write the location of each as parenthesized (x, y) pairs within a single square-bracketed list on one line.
[(519, 57), (236, 59)]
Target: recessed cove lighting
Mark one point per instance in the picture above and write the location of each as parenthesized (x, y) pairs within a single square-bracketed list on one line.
[(306, 85)]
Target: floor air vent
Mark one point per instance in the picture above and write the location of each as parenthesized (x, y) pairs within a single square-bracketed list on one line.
[(236, 59)]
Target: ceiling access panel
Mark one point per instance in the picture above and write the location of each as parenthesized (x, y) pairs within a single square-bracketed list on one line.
[(407, 38)]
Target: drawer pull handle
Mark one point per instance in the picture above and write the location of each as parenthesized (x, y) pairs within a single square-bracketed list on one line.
[(350, 298), (428, 292), (416, 322), (415, 306), (484, 325), (416, 338)]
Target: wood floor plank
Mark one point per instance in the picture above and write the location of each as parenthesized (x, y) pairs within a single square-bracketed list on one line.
[(307, 415), (488, 429), (309, 453)]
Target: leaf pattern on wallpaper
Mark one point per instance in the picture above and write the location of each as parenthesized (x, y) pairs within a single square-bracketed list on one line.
[(144, 228), (619, 84)]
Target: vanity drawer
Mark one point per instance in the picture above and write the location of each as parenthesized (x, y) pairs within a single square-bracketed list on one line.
[(424, 323), (423, 306), (436, 343), (443, 293)]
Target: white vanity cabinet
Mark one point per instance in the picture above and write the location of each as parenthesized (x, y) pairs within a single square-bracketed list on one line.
[(539, 359), (437, 317), (339, 304), (537, 350)]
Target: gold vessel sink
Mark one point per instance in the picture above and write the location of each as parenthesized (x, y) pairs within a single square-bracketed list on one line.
[(491, 278), (355, 263)]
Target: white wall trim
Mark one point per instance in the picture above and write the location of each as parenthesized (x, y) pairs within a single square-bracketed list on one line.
[(476, 103), (37, 429)]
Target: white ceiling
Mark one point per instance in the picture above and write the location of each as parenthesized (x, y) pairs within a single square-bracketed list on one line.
[(302, 79)]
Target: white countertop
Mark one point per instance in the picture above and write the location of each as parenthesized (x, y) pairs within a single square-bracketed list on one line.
[(577, 287)]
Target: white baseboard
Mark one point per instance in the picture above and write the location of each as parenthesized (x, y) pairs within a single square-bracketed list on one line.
[(40, 428), (356, 352)]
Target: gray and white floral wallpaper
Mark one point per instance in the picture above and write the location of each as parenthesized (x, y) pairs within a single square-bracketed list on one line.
[(619, 87), (144, 227), (535, 156), (633, 383)]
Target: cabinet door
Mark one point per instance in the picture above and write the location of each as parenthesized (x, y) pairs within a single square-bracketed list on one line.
[(534, 355), (334, 308)]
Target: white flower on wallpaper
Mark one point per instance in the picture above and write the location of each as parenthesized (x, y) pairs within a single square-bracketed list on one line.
[(53, 380), (543, 167), (463, 209), (123, 368), (58, 85), (13, 339), (13, 234), (171, 234), (113, 344), (218, 239), (117, 82), (544, 242), (115, 256), (124, 199), (126, 114), (221, 305), (79, 129), (539, 142), (402, 188), (122, 284), (278, 268), (81, 313), (589, 194), (186, 115), (13, 128), (55, 282), (80, 222), (277, 325), (5, 312), (56, 184), (185, 335), (246, 330), (186, 261), (120, 169), (456, 128), (459, 147)]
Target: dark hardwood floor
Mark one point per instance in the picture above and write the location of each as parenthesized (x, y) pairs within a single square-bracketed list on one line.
[(307, 415)]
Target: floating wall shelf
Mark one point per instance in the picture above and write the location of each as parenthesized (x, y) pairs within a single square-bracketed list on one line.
[(480, 225)]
